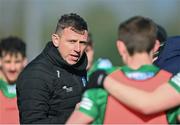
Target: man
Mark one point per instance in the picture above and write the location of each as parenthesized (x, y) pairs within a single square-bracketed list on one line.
[(136, 44), (100, 63), (52, 84), (12, 61)]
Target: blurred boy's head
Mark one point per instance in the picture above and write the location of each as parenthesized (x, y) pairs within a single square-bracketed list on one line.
[(137, 35), (12, 58)]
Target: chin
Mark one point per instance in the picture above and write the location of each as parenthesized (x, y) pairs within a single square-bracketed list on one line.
[(72, 62), (12, 81)]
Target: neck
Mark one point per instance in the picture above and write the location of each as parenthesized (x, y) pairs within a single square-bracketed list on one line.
[(139, 59)]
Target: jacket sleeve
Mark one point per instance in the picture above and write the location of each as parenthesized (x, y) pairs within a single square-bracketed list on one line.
[(33, 97)]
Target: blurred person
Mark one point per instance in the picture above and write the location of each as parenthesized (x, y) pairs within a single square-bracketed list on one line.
[(164, 98), (145, 105), (169, 56), (52, 84), (90, 52), (169, 60), (100, 63), (136, 44), (162, 37), (12, 61), (161, 34)]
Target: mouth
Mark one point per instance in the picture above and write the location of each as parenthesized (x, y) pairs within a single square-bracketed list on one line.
[(75, 57), (12, 72), (11, 76)]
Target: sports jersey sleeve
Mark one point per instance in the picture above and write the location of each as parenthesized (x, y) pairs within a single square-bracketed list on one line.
[(172, 115), (175, 82), (92, 101)]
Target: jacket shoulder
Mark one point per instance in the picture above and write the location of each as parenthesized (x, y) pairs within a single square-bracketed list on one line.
[(38, 70)]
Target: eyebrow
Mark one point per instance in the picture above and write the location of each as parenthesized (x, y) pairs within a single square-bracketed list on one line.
[(82, 32)]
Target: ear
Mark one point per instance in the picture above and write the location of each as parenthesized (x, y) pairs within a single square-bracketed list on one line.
[(55, 39), (156, 46), (25, 62), (121, 47)]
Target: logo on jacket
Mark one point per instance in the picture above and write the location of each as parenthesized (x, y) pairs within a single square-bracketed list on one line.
[(58, 73), (68, 89)]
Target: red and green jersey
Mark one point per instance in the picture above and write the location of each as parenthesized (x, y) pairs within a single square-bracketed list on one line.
[(93, 100), (8, 90), (8, 104)]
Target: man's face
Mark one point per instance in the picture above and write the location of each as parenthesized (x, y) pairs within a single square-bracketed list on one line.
[(70, 44), (11, 66)]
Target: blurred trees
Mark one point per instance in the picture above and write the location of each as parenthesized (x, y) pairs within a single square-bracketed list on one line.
[(103, 25), (35, 20)]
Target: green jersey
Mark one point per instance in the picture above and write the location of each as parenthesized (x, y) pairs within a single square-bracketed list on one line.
[(175, 82), (101, 63), (94, 104), (96, 108)]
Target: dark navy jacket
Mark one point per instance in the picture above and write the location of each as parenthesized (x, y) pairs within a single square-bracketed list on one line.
[(169, 58)]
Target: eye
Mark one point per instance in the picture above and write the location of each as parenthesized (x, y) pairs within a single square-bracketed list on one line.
[(72, 41), (18, 61), (83, 42), (7, 61)]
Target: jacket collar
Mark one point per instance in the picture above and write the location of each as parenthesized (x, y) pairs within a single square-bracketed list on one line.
[(55, 57)]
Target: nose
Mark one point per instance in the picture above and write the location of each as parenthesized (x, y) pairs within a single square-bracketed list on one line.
[(77, 47), (12, 66)]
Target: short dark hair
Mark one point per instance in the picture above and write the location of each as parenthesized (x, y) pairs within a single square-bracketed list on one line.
[(161, 34), (162, 37), (12, 45), (71, 20), (138, 34)]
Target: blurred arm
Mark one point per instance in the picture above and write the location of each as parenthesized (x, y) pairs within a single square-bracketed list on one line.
[(78, 117)]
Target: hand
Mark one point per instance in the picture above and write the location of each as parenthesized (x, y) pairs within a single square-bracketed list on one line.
[(96, 79), (77, 106)]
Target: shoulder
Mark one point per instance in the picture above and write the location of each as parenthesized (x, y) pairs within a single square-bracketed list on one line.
[(92, 100), (95, 93), (38, 67), (37, 72)]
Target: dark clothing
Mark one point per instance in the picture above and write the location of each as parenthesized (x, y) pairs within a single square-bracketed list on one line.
[(49, 88), (169, 57)]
